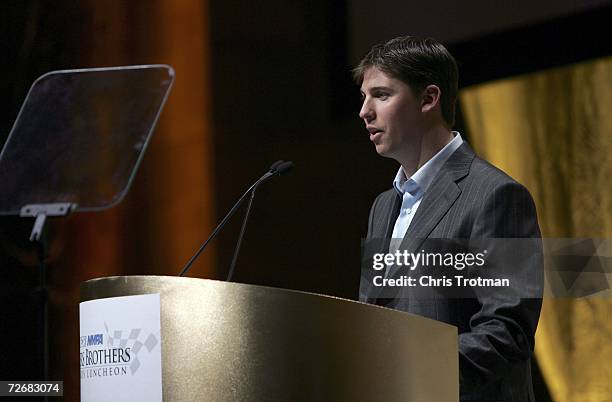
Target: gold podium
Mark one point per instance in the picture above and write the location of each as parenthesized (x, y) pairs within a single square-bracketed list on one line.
[(234, 342)]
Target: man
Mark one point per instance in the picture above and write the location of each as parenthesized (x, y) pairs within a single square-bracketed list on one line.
[(442, 190)]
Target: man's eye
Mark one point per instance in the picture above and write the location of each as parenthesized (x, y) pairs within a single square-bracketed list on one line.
[(381, 95)]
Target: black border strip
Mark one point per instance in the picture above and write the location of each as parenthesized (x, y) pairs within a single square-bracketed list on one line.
[(530, 48)]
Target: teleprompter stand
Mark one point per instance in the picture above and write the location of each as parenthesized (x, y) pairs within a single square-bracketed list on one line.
[(76, 146)]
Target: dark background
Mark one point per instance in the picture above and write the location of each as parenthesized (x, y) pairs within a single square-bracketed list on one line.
[(280, 89)]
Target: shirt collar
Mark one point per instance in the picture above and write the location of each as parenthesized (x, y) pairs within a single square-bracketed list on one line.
[(420, 181)]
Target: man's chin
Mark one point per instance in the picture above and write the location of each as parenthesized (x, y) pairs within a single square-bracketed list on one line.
[(383, 151), (387, 153)]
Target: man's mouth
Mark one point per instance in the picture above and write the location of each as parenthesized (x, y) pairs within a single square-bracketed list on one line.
[(374, 132)]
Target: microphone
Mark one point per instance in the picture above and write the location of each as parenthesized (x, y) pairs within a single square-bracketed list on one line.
[(275, 165), (282, 167), (278, 168)]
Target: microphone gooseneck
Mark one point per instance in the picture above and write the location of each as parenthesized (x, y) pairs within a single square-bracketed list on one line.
[(278, 168)]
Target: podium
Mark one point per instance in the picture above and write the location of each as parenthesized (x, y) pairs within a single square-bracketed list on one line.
[(225, 341)]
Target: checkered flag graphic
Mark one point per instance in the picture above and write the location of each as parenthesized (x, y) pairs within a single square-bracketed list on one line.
[(123, 339)]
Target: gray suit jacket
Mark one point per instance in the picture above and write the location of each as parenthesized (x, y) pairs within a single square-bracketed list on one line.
[(471, 199)]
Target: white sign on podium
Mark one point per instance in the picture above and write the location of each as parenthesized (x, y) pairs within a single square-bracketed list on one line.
[(120, 349)]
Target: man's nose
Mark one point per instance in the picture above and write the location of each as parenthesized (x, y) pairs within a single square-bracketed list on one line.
[(366, 113)]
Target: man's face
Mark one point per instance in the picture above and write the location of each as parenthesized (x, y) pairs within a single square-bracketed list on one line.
[(392, 115)]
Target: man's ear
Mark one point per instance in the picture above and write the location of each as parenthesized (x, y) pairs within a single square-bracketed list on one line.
[(430, 98)]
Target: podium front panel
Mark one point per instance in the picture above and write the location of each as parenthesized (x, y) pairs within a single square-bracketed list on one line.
[(234, 342)]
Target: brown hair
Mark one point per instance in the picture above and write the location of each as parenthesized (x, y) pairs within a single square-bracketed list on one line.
[(418, 62)]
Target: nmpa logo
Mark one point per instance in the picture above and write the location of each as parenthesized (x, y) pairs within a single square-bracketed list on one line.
[(117, 356)]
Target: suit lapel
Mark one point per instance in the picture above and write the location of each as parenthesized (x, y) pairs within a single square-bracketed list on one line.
[(439, 198), (380, 240), (392, 216)]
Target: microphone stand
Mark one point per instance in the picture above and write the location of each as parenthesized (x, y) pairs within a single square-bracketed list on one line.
[(230, 274), (281, 168), (277, 168)]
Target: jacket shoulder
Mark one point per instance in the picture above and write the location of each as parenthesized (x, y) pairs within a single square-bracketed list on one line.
[(379, 213), (488, 178)]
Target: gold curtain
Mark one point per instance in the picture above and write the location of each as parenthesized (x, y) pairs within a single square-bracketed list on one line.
[(552, 131)]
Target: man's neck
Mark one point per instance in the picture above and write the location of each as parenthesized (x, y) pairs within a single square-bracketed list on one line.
[(431, 143)]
